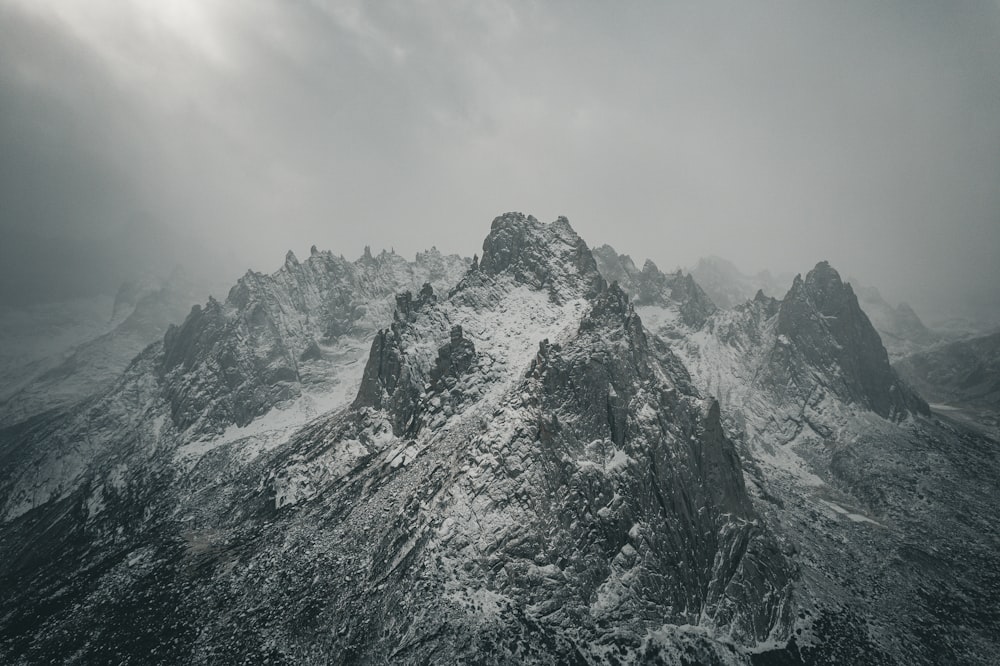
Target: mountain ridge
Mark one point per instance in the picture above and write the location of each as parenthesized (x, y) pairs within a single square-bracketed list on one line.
[(533, 469)]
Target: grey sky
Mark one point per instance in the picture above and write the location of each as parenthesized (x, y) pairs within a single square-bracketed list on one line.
[(138, 134)]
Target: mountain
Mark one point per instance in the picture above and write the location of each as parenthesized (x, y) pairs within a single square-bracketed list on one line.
[(36, 338), (293, 339), (302, 330), (889, 506), (523, 475), (141, 313), (901, 330), (962, 377), (513, 460), (677, 292)]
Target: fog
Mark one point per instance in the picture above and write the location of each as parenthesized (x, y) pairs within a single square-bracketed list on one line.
[(135, 136)]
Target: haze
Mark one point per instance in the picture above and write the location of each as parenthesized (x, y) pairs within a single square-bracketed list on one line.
[(218, 134)]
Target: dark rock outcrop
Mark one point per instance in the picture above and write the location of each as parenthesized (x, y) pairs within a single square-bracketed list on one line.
[(455, 358), (824, 333)]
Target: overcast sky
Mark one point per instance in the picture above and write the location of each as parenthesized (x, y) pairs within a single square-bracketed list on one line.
[(136, 135)]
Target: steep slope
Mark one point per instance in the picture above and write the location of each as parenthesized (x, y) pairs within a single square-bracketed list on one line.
[(962, 378), (525, 476)]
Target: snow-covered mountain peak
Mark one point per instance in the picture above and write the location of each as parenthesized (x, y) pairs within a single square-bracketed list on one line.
[(550, 256)]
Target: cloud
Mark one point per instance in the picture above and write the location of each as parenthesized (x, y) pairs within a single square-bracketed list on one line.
[(776, 135)]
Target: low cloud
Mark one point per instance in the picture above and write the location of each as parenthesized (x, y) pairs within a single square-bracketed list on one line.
[(218, 134)]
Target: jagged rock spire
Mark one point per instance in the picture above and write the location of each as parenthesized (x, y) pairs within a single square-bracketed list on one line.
[(541, 255), (826, 327)]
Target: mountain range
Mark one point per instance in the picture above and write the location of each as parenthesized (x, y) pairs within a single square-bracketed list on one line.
[(541, 455), (901, 330)]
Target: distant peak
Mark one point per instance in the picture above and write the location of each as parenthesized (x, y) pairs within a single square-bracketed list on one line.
[(821, 313)]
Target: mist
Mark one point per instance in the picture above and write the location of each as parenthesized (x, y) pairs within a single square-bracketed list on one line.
[(142, 135)]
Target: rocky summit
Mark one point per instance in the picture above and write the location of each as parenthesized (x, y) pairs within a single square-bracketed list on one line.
[(542, 455)]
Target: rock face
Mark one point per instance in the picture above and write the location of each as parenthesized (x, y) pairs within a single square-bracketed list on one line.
[(387, 383), (455, 358)]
